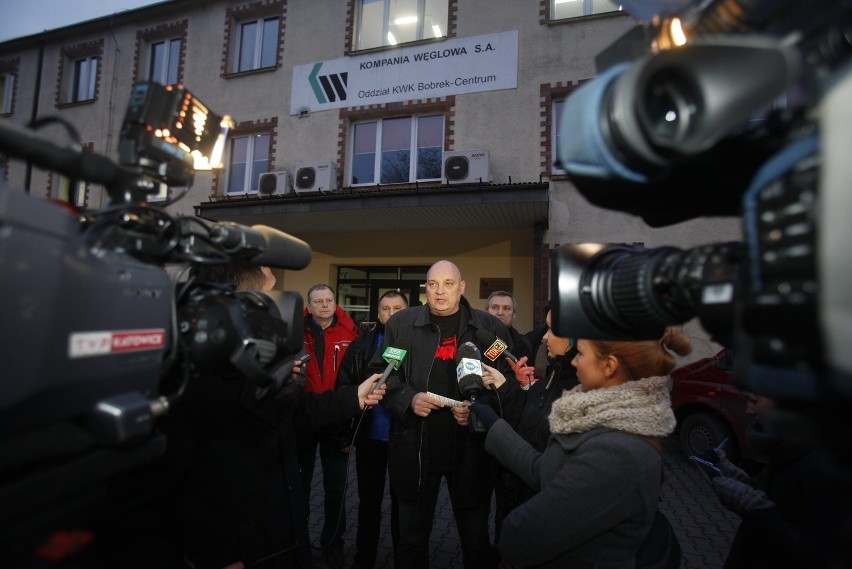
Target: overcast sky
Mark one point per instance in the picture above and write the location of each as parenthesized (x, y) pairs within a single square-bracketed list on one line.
[(24, 17)]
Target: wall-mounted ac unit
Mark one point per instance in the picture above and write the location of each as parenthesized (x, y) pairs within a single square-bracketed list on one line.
[(274, 183), (315, 177), (466, 167)]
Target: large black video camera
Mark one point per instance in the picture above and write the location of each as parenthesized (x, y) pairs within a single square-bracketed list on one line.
[(734, 107), (97, 338)]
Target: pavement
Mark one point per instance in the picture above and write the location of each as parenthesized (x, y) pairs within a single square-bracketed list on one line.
[(704, 528)]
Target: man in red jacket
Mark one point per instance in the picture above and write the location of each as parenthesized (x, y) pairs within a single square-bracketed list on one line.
[(328, 333)]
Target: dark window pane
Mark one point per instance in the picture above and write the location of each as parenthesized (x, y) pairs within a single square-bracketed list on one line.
[(238, 177), (395, 166), (248, 40), (429, 163), (365, 138), (174, 60), (363, 168), (158, 54), (270, 42)]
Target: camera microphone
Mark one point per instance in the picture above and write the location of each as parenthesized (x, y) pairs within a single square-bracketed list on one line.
[(496, 346), (263, 245)]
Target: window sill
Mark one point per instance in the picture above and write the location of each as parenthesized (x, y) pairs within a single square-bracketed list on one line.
[(71, 104), (238, 74), (601, 16)]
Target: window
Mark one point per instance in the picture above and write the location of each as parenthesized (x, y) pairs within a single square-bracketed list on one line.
[(248, 159), (258, 44), (70, 191), (561, 9), (558, 105), (84, 79), (7, 90), (390, 22), (164, 61), (397, 150)]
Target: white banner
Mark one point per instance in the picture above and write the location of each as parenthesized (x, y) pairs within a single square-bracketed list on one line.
[(451, 67)]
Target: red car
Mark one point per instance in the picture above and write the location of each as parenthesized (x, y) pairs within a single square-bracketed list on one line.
[(709, 408)]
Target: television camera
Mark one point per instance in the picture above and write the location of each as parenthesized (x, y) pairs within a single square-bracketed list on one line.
[(98, 339), (724, 108)]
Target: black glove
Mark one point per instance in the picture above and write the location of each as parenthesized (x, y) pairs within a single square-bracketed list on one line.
[(485, 413)]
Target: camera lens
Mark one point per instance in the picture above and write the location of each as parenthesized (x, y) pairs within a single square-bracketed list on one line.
[(633, 293), (669, 104)]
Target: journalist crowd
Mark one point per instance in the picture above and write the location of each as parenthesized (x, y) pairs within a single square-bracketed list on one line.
[(444, 393)]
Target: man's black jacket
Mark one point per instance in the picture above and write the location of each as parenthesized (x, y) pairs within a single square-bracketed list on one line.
[(408, 461)]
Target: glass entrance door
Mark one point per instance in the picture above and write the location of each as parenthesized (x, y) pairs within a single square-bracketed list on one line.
[(359, 288)]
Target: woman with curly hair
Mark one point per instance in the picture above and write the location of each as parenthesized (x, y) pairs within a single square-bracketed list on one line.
[(598, 481)]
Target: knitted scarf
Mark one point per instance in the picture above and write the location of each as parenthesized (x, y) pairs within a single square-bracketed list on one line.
[(640, 407)]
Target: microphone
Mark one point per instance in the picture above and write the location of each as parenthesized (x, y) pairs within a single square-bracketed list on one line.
[(263, 245), (496, 346), (394, 357), (469, 375)]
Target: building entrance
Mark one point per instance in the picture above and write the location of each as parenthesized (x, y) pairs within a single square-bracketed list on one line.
[(359, 288)]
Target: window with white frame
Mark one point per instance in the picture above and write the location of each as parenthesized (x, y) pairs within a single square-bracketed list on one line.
[(164, 61), (248, 158), (7, 91), (556, 125), (397, 150), (257, 44), (390, 22), (71, 191), (562, 9), (84, 77)]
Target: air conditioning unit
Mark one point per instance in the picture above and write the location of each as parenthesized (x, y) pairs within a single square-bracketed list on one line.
[(274, 183), (466, 167), (315, 177)]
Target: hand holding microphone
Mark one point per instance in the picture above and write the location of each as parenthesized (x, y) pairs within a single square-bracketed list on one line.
[(374, 386), (469, 374)]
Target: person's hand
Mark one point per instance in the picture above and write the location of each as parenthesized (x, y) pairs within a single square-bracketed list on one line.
[(485, 413), (422, 404), (461, 415), (523, 373), (728, 468), (366, 394), (492, 377), (346, 450), (739, 497)]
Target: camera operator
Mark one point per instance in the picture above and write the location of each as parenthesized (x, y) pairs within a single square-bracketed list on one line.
[(236, 499), (793, 511)]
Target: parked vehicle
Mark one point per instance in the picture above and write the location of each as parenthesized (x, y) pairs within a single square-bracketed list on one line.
[(709, 408)]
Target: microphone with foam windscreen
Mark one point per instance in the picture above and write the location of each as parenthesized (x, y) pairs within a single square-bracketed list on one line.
[(394, 357), (469, 374), (496, 346), (262, 245)]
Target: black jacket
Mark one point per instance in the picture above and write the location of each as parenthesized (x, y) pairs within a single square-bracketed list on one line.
[(237, 493), (411, 330), (353, 371)]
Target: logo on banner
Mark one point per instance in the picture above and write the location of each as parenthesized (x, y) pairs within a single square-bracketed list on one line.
[(328, 88)]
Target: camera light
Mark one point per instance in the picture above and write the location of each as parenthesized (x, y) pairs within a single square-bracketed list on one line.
[(676, 32)]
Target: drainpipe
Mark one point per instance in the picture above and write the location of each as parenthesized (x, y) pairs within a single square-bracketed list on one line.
[(34, 115)]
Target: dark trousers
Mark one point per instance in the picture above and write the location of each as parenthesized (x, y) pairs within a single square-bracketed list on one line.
[(334, 474), (415, 526), (371, 462)]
